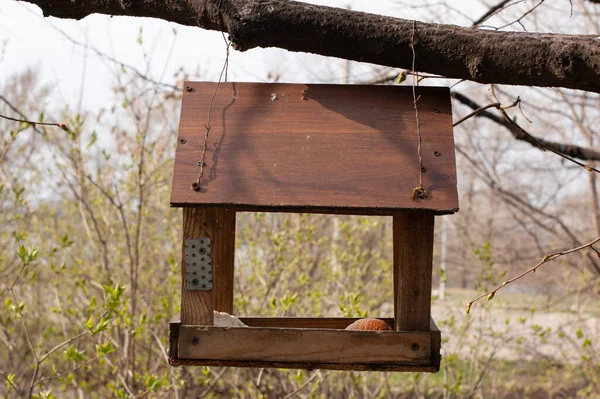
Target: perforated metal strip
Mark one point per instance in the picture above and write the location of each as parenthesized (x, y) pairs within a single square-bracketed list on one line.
[(198, 264)]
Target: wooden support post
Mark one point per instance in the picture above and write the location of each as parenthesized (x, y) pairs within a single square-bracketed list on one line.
[(413, 258), (218, 224)]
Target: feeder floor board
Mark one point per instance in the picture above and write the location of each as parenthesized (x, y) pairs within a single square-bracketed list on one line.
[(305, 348)]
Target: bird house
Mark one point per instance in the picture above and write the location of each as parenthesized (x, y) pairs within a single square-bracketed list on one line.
[(338, 149)]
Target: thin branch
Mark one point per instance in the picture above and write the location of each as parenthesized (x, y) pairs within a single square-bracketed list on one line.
[(491, 12), (163, 351), (66, 342), (58, 375), (571, 150), (518, 20), (214, 382), (479, 110), (18, 112), (34, 124), (11, 384), (476, 112), (544, 147), (546, 259), (301, 387)]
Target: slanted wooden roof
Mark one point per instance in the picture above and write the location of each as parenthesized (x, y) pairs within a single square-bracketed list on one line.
[(315, 148)]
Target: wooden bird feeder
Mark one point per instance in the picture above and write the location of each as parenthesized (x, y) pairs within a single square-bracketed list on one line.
[(339, 149)]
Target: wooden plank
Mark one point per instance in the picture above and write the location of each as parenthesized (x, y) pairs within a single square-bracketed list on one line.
[(218, 224), (413, 258), (306, 366), (305, 322), (173, 339), (315, 148), (306, 346), (435, 339), (223, 268), (436, 345)]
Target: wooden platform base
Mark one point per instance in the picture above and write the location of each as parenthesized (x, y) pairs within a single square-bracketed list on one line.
[(313, 343)]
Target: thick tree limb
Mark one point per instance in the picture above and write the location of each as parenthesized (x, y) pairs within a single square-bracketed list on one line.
[(573, 151), (532, 59)]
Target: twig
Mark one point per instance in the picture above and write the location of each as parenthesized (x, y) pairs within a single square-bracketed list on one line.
[(546, 259), (163, 351), (259, 378), (301, 387), (214, 382), (571, 150), (58, 375), (496, 105), (120, 377), (518, 20), (30, 345), (545, 147), (11, 384), (491, 12), (34, 124), (483, 372), (39, 360), (66, 342)]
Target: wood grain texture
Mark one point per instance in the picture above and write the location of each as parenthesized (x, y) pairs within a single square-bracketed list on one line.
[(218, 224), (294, 345), (173, 339), (306, 366), (317, 148), (223, 260), (305, 322), (433, 366), (413, 258), (436, 345)]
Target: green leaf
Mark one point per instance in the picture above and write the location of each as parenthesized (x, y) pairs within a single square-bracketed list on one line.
[(104, 349), (93, 139), (11, 381), (153, 383), (65, 241), (27, 255), (401, 77), (101, 326), (72, 353), (89, 324)]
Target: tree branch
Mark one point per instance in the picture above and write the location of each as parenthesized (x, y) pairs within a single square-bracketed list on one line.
[(492, 11), (570, 150), (490, 295), (515, 58)]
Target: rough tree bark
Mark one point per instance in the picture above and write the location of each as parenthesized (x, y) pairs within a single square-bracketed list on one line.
[(532, 59)]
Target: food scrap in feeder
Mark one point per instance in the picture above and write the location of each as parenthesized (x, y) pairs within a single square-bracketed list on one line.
[(369, 324)]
